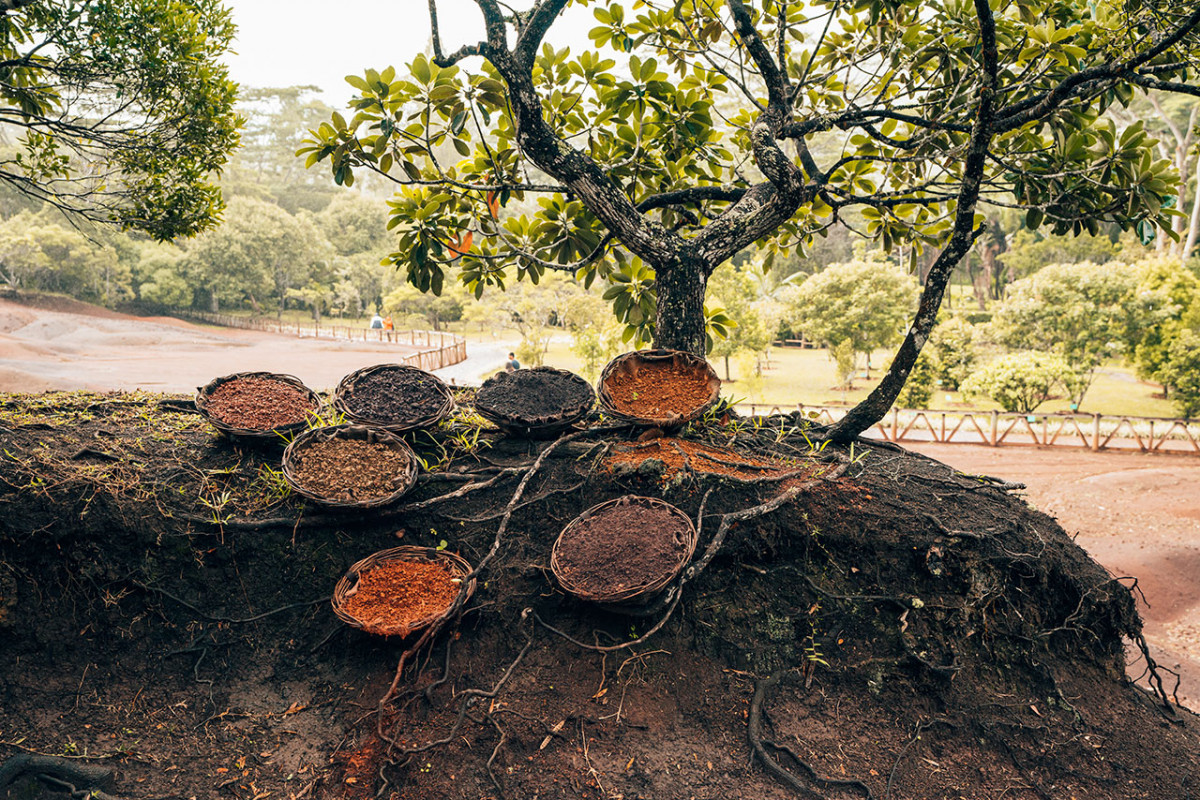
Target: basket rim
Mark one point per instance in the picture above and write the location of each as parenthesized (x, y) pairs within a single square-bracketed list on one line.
[(625, 594), (351, 431), (458, 567), (517, 423), (656, 355), (345, 388), (202, 393)]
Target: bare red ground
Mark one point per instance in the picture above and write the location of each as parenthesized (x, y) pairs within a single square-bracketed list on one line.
[(86, 347)]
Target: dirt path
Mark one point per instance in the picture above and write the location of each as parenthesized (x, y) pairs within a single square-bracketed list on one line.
[(1138, 515)]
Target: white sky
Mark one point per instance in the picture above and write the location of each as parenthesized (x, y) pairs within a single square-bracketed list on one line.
[(319, 42)]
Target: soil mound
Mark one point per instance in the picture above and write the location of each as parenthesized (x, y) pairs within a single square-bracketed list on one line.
[(880, 627)]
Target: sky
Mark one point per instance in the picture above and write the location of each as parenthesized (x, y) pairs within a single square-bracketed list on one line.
[(318, 42)]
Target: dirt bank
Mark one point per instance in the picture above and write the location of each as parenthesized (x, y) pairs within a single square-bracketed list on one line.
[(1137, 514)]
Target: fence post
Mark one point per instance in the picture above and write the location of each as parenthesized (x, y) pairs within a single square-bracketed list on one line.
[(995, 427), (1096, 433)]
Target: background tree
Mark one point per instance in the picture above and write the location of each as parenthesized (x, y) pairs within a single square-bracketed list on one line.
[(1181, 371), (118, 111), (936, 105), (1080, 311), (1020, 381), (737, 292), (854, 308), (1163, 293), (952, 351)]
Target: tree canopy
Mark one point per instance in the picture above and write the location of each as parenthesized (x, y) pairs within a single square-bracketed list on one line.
[(689, 131), (118, 111)]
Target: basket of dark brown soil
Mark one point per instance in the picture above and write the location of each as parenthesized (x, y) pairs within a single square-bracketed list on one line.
[(395, 592), (535, 402), (394, 396), (623, 551), (662, 388), (256, 404), (350, 466)]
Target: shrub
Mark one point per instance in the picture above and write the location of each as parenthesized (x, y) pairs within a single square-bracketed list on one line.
[(1020, 381), (1181, 371)]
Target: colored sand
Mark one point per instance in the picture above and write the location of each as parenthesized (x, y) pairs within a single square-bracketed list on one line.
[(258, 404), (681, 454), (349, 469), (623, 546), (396, 594), (659, 389), (396, 396)]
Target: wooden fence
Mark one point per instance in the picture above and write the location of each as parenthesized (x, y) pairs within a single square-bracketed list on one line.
[(439, 349), (1094, 432)]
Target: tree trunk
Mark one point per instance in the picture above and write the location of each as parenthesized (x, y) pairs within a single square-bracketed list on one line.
[(679, 324), (1194, 222)]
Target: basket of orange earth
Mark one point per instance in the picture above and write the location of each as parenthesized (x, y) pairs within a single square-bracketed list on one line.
[(536, 402), (350, 466), (397, 397), (398, 591), (659, 388), (621, 553), (256, 405)]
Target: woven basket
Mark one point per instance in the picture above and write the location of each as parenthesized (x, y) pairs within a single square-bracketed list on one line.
[(426, 419), (348, 586), (371, 435), (631, 363), (204, 392), (626, 595), (534, 426)]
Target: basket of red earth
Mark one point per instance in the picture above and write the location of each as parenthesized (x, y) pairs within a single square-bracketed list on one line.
[(256, 404), (624, 551), (661, 388), (350, 466), (534, 402), (395, 592), (394, 396)]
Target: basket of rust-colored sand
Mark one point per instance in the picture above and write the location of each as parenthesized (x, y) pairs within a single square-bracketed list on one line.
[(396, 397), (260, 405), (534, 402), (661, 388), (623, 551), (398, 591), (350, 466)]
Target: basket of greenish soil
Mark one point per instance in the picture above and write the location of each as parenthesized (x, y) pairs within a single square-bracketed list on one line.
[(350, 466), (396, 397), (534, 402), (398, 591), (659, 388), (622, 552), (257, 404)]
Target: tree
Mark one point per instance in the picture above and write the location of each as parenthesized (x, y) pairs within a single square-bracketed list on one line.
[(857, 307), (260, 251), (1080, 311), (736, 292), (1019, 381), (1164, 292), (118, 111), (936, 106), (952, 351), (1181, 371), (921, 383)]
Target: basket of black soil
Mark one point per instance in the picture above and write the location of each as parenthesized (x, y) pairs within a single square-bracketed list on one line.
[(350, 466), (394, 396), (534, 402), (398, 591), (259, 405), (623, 551), (660, 388)]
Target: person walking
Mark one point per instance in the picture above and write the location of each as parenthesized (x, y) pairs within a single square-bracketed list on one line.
[(387, 326)]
